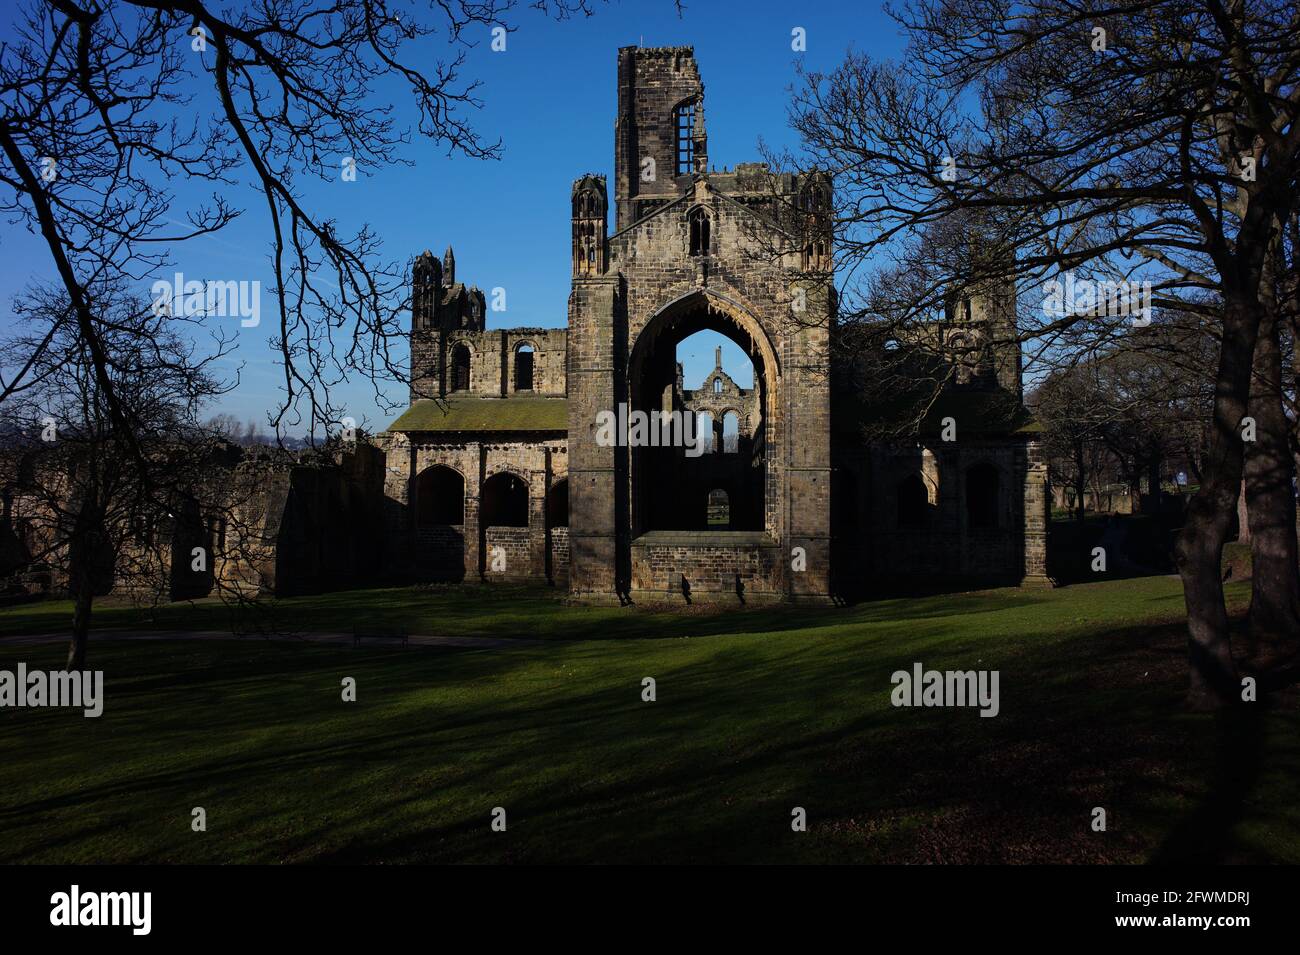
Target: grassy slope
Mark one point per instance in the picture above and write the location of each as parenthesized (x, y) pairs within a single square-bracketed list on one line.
[(757, 712)]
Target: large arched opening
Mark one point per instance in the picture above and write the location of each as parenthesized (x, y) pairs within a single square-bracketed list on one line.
[(504, 501), (655, 386), (439, 519), (504, 531), (439, 497)]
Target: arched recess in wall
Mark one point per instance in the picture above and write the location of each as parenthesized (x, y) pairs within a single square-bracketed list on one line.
[(557, 504), (460, 360), (504, 501), (719, 510), (700, 227), (983, 496), (652, 379), (524, 355), (439, 497)]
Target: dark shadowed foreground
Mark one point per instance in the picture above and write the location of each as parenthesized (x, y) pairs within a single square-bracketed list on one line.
[(756, 713)]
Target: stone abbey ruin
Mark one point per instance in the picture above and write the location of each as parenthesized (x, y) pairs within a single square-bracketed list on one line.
[(496, 470)]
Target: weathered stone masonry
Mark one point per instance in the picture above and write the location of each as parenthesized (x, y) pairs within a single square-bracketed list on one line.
[(495, 471), (690, 250)]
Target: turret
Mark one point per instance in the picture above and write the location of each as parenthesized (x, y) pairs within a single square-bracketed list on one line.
[(426, 285), (449, 267), (589, 226)]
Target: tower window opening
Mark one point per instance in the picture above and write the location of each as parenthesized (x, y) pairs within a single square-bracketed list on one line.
[(524, 368), (685, 138), (460, 368)]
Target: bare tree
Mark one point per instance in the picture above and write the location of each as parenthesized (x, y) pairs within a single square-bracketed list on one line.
[(1154, 142), (1068, 406), (104, 505), (104, 106)]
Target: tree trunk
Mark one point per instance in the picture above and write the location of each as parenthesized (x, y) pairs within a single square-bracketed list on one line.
[(1199, 551), (80, 625), (1243, 519), (1153, 483), (1270, 502), (1080, 483), (84, 553)]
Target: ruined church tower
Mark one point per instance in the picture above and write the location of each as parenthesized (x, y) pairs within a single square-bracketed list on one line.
[(685, 256)]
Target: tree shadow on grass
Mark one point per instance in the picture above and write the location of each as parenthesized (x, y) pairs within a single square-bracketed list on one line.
[(742, 731)]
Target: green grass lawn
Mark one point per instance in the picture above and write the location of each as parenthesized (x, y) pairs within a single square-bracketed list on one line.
[(758, 711)]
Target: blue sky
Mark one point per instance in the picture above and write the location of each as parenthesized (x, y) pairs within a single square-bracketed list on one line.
[(551, 98)]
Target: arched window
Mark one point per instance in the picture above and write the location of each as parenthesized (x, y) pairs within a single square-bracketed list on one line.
[(959, 347), (504, 501), (717, 386), (730, 432), (524, 368), (557, 504), (440, 496), (585, 205), (460, 368), (913, 503), (982, 487), (815, 197), (704, 430), (719, 510), (684, 122), (699, 223), (589, 248), (815, 203)]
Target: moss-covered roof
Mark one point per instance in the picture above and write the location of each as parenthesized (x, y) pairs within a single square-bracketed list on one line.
[(472, 413)]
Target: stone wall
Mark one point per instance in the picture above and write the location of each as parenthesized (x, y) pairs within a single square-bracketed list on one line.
[(540, 462), (440, 551), (652, 82), (306, 527), (560, 555), (873, 546), (508, 555), (720, 566), (492, 364)]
